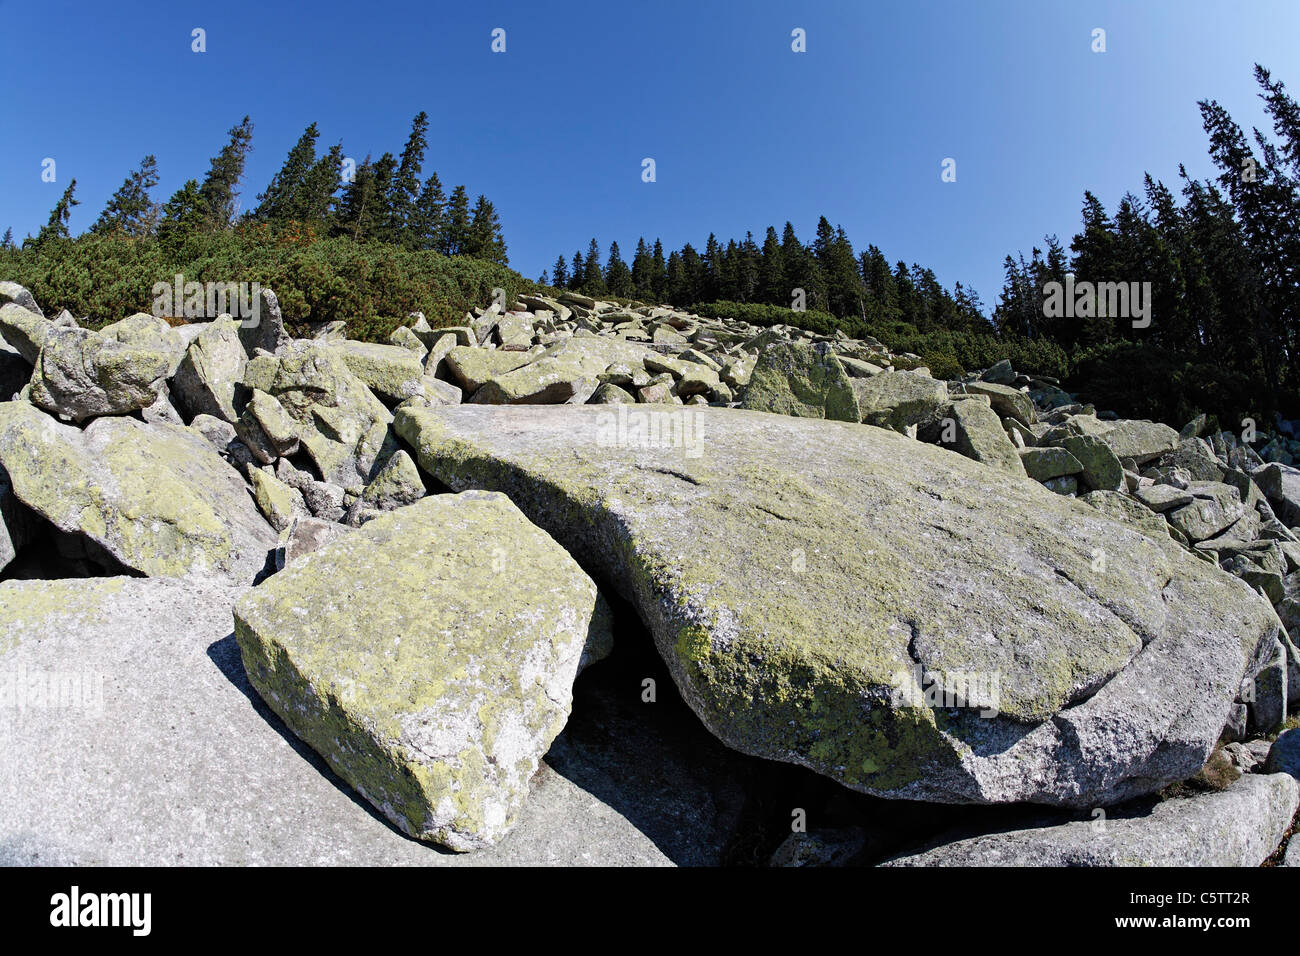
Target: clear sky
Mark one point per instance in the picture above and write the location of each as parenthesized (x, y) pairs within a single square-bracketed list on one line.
[(744, 131)]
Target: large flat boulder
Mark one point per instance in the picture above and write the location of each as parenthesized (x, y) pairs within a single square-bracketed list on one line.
[(435, 680), (1141, 441), (168, 757), (1239, 826), (158, 498), (809, 583), (390, 370)]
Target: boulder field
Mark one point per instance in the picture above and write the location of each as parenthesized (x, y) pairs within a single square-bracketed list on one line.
[(271, 595)]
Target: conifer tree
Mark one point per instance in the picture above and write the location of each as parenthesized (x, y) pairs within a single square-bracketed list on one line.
[(184, 212), (429, 219), (485, 239), (218, 193), (314, 202), (130, 210), (618, 278), (593, 281), (456, 235), (404, 189), (282, 199), (57, 227)]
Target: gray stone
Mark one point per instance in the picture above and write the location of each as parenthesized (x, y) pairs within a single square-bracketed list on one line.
[(856, 551), (185, 766), (81, 375), (1043, 464), (442, 728), (897, 400), (24, 330), (157, 498), (1240, 826)]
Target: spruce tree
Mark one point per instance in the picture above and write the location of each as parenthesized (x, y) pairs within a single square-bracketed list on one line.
[(456, 236), (560, 274), (618, 277), (593, 282), (8, 241), (485, 239), (57, 227), (183, 213), (281, 200), (771, 271), (314, 202), (218, 194), (641, 271), (429, 219), (405, 187), (659, 272), (130, 210)]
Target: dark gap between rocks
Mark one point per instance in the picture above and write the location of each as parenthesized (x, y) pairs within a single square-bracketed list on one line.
[(702, 803), (50, 554)]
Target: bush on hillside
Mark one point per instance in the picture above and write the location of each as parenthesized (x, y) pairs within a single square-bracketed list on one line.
[(371, 286)]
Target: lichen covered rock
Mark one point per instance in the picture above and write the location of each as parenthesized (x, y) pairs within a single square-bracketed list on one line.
[(435, 680), (861, 566), (157, 498)]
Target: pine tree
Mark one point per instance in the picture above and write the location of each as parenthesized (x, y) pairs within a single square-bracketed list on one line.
[(57, 227), (577, 272), (618, 277), (8, 241), (183, 213), (405, 187), (485, 239), (560, 273), (593, 281), (429, 219), (130, 210), (218, 194), (282, 198), (456, 235)]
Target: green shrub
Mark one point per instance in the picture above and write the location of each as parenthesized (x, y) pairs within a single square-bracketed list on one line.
[(371, 286)]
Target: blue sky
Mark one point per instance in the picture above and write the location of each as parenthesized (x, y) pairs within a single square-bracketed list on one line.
[(744, 132)]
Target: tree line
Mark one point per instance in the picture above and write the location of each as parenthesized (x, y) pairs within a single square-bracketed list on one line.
[(324, 193), (832, 277), (1222, 256)]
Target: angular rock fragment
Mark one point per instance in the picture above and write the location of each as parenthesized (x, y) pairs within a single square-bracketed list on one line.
[(436, 680), (80, 374), (157, 498), (1240, 826)]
